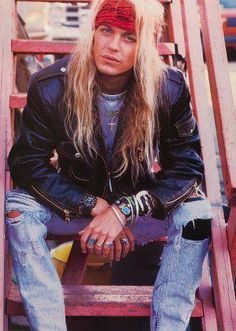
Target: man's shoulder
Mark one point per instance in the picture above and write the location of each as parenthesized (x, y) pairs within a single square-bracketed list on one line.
[(54, 70), (174, 81), (49, 83), (174, 75)]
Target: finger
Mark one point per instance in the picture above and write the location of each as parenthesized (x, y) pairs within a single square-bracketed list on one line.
[(91, 242), (131, 238), (125, 246), (107, 246), (117, 249), (99, 245), (111, 254), (84, 239)]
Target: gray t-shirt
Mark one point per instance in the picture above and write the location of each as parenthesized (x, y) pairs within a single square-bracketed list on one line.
[(109, 107)]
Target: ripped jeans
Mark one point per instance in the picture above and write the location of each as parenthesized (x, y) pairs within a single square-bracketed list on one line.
[(40, 287)]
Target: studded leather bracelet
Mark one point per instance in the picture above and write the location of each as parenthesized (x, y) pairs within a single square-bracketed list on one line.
[(87, 203)]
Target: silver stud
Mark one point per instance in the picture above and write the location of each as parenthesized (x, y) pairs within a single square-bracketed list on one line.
[(63, 69), (77, 155)]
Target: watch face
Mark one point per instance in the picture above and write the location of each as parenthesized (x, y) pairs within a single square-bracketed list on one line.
[(125, 210)]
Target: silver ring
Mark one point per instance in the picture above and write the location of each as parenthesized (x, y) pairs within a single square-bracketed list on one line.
[(99, 244), (124, 241), (108, 244), (91, 241)]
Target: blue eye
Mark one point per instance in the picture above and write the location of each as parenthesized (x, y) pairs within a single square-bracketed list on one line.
[(130, 38), (105, 29)]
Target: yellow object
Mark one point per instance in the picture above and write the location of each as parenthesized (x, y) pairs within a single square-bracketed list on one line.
[(60, 256), (98, 269)]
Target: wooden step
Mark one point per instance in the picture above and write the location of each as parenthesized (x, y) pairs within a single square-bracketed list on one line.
[(17, 100), (230, 31), (81, 1), (21, 46), (90, 300)]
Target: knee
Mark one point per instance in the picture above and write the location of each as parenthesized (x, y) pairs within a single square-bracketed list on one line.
[(14, 216), (198, 229)]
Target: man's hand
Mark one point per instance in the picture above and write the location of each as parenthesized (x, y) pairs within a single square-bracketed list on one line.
[(99, 235), (123, 244), (101, 205)]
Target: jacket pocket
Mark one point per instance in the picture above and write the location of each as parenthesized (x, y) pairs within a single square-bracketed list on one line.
[(68, 150), (186, 129)]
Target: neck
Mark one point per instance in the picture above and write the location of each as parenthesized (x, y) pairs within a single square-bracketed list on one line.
[(114, 84)]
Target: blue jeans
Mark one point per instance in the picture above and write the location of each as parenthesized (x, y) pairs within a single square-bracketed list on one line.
[(39, 284)]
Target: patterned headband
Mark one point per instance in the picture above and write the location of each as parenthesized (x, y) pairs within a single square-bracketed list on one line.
[(117, 13)]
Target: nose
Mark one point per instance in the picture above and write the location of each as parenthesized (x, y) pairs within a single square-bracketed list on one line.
[(114, 43)]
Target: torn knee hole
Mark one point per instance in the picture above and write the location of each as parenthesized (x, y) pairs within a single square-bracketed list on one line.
[(198, 229), (13, 216)]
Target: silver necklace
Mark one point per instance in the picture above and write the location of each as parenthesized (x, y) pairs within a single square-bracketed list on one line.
[(112, 114)]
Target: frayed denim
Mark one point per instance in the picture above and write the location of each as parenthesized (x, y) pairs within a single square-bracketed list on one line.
[(39, 284)]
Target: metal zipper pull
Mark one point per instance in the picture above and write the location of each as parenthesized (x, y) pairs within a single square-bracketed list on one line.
[(110, 182), (67, 216)]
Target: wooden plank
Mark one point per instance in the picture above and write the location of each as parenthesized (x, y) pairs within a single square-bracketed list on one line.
[(231, 231), (230, 31), (7, 32), (75, 266), (222, 98), (228, 12), (208, 320), (222, 279), (61, 237), (89, 300), (222, 275), (175, 26), (22, 46), (17, 100)]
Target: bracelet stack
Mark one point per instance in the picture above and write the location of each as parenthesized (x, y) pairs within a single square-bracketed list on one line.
[(118, 216), (140, 204)]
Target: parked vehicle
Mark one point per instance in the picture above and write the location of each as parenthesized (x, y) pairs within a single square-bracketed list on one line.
[(228, 13)]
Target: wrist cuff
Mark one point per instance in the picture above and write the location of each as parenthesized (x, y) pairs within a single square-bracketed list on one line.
[(87, 203)]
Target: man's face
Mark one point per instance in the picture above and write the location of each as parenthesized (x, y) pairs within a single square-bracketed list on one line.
[(114, 50)]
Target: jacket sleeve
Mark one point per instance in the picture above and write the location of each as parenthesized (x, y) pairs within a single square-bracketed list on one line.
[(179, 155), (29, 159)]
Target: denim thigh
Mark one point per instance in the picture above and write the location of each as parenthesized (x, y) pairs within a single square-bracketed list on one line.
[(20, 200)]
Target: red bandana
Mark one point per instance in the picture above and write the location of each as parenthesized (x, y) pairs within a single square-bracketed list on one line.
[(117, 13)]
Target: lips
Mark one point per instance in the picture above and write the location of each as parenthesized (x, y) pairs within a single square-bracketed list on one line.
[(110, 58)]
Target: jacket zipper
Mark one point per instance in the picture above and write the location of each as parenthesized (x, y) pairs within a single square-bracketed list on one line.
[(108, 173), (168, 204), (76, 177), (64, 211), (110, 182)]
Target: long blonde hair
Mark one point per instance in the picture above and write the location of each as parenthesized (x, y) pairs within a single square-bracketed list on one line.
[(135, 145)]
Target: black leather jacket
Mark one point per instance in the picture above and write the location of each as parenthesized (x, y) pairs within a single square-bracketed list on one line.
[(61, 189)]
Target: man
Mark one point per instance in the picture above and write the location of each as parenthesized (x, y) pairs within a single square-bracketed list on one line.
[(109, 111)]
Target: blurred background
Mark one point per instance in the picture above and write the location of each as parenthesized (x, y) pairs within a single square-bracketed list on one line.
[(54, 21)]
